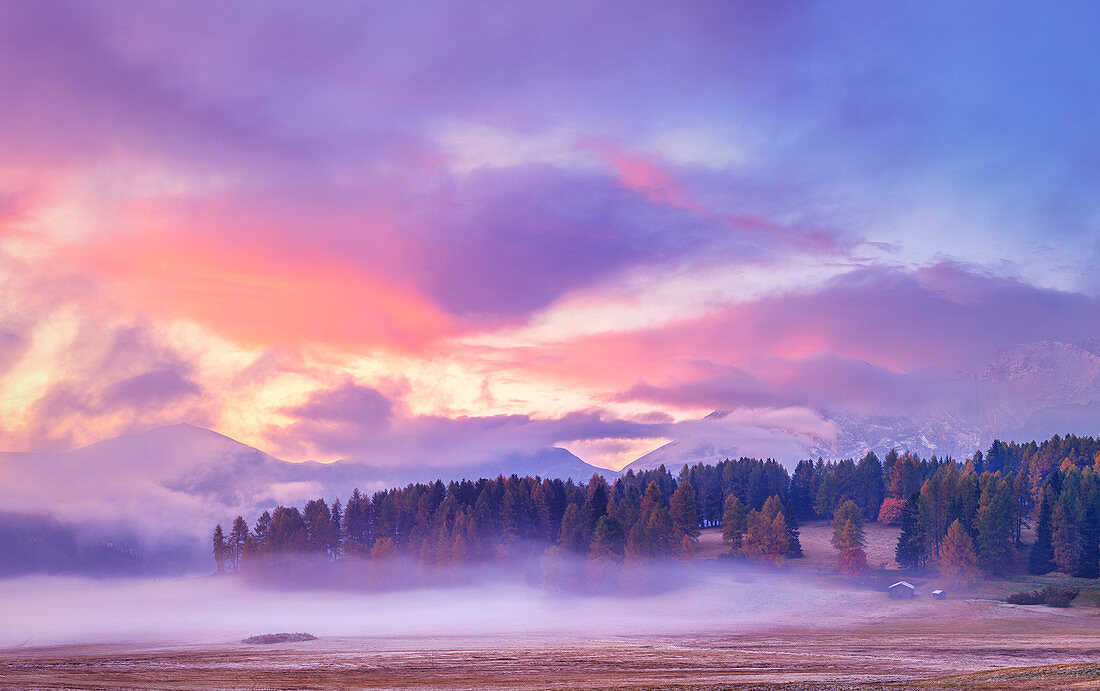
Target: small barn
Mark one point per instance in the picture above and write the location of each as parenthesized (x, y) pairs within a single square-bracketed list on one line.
[(939, 594), (902, 590)]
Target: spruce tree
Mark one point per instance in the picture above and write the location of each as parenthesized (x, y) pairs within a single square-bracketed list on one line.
[(238, 535), (794, 542), (221, 551), (1065, 529), (608, 541), (573, 536), (336, 532), (1089, 566), (994, 522), (1041, 559), (909, 552)]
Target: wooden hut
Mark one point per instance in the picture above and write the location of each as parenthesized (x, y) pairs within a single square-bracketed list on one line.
[(902, 590)]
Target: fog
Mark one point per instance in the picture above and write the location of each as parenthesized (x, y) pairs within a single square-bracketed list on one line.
[(61, 610)]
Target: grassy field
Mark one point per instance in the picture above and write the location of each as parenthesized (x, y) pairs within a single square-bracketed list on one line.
[(820, 559)]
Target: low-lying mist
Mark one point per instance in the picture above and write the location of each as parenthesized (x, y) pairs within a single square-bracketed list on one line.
[(58, 610)]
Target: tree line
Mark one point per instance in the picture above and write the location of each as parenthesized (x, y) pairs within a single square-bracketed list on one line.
[(961, 516)]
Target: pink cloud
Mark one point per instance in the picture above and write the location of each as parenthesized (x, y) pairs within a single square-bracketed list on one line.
[(897, 329)]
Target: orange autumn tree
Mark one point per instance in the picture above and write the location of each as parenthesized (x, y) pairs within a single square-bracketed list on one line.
[(958, 562), (766, 537), (848, 539)]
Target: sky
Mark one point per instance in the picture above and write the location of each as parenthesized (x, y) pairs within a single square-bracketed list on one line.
[(399, 232)]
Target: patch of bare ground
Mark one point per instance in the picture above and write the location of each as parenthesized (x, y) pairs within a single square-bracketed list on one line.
[(818, 554)]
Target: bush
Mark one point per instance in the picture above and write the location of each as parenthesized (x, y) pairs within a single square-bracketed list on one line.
[(1050, 596)]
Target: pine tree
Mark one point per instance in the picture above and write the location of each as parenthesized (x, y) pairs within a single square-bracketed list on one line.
[(909, 553), (608, 541), (318, 525), (336, 531), (573, 536), (238, 535), (958, 562), (994, 522), (221, 551), (870, 489), (1066, 535), (1041, 559), (1089, 566), (794, 541)]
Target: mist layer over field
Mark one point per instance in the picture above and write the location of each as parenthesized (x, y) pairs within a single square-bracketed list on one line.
[(46, 611)]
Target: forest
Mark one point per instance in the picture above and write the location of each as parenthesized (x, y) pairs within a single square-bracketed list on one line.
[(963, 517)]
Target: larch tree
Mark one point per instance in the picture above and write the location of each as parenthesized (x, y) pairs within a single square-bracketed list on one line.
[(848, 538), (685, 519), (733, 524), (766, 537), (958, 561)]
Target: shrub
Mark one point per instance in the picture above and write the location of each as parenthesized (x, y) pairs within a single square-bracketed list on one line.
[(1051, 596)]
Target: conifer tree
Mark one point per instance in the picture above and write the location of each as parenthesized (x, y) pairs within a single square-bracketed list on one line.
[(608, 541), (733, 524), (848, 538), (573, 536), (383, 549), (870, 490), (336, 531), (221, 551), (1089, 566), (852, 562), (651, 500), (1066, 535), (958, 562), (794, 541), (238, 535), (766, 537), (994, 522), (848, 526), (685, 520), (1041, 559), (909, 553)]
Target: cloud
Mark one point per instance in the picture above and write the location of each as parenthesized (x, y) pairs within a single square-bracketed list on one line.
[(872, 338)]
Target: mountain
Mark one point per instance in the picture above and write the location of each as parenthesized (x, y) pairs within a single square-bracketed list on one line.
[(1029, 391), (158, 493), (676, 454)]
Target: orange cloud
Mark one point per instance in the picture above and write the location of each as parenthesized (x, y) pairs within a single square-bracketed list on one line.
[(261, 299)]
